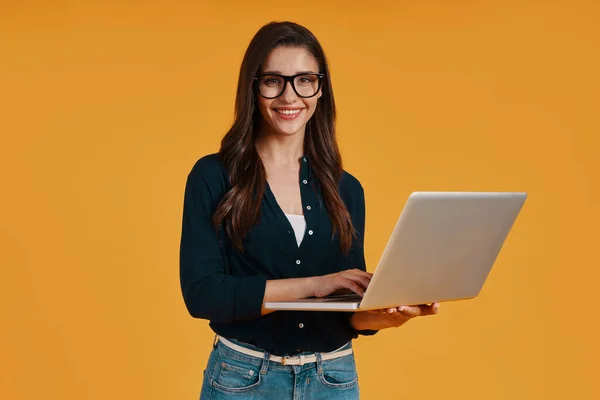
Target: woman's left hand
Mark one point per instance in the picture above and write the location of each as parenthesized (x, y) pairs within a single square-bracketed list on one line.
[(391, 317)]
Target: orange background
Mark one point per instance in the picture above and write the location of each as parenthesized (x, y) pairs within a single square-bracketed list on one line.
[(105, 107)]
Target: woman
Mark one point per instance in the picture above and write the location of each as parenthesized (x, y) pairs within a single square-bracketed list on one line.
[(273, 217)]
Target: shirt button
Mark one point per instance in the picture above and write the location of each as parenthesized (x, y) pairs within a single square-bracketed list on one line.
[(304, 159), (308, 208), (300, 325), (298, 262), (305, 181), (310, 232)]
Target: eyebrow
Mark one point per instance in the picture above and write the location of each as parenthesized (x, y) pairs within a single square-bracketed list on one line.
[(279, 72)]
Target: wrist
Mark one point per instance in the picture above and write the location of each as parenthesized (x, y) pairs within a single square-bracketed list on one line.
[(309, 287), (360, 321)]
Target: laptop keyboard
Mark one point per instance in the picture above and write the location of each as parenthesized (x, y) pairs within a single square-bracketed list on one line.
[(353, 297)]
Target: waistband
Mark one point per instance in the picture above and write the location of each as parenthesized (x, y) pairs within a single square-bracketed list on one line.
[(287, 360)]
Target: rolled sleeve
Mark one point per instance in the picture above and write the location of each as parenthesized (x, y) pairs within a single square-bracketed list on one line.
[(208, 291)]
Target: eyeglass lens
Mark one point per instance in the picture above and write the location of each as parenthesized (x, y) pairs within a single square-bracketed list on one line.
[(273, 85)]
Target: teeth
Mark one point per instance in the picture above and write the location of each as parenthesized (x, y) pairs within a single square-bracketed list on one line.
[(288, 112)]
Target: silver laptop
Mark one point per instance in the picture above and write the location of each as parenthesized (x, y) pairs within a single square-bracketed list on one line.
[(442, 248)]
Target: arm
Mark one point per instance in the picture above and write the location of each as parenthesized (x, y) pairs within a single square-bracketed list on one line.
[(355, 280), (287, 289), (392, 317), (362, 321), (208, 292)]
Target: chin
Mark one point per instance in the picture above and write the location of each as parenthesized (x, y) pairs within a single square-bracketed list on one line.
[(288, 129)]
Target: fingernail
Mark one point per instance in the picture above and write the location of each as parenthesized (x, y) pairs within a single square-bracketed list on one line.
[(402, 308)]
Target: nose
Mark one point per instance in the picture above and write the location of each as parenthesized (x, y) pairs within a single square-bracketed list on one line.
[(288, 95)]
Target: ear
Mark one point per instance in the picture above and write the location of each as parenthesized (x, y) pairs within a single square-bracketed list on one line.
[(320, 93)]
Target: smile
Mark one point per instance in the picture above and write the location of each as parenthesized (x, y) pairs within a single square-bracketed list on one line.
[(288, 111), (288, 114)]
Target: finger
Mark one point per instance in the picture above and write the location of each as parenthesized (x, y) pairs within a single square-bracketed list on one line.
[(410, 311), (356, 288), (420, 310), (360, 272), (384, 311), (429, 309), (362, 280)]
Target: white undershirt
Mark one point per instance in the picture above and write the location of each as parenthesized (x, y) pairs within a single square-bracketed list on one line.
[(299, 224)]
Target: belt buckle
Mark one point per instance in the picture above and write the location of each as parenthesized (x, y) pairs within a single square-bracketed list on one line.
[(290, 360)]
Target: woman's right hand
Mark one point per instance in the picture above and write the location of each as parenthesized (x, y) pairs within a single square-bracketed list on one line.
[(355, 280)]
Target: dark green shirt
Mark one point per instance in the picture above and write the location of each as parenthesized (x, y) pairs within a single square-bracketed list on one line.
[(227, 287)]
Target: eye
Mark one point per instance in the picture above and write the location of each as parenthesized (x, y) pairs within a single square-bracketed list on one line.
[(270, 81), (306, 80)]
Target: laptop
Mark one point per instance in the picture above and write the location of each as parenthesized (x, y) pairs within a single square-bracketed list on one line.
[(442, 248)]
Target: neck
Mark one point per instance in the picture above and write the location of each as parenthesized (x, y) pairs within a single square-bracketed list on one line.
[(280, 149)]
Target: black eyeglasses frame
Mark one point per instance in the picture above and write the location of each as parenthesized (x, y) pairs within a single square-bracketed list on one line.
[(290, 79)]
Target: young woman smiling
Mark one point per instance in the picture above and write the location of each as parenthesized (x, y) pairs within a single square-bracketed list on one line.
[(273, 216)]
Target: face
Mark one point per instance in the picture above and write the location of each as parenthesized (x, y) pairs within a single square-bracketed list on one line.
[(288, 114)]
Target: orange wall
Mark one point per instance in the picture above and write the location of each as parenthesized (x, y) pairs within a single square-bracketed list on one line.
[(105, 108)]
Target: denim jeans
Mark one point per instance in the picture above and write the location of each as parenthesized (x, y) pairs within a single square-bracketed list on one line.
[(234, 375)]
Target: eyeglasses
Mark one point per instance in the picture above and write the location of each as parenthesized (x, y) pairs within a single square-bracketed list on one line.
[(271, 86)]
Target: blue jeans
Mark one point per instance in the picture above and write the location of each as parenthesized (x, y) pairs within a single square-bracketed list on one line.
[(234, 375)]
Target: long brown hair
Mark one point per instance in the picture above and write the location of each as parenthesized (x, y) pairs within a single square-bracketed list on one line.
[(240, 207)]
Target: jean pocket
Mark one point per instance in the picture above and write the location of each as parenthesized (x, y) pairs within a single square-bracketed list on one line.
[(235, 376), (339, 373)]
